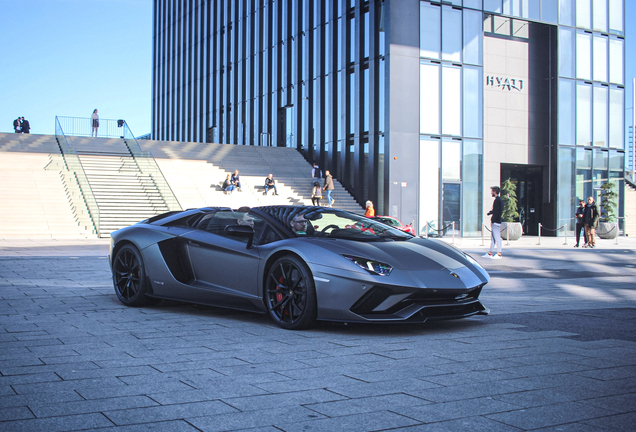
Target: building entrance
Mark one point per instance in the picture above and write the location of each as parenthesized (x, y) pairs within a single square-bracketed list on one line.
[(529, 181)]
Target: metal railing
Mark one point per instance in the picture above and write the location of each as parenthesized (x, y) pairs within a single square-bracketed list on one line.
[(73, 164), (147, 165), (83, 126), (442, 230)]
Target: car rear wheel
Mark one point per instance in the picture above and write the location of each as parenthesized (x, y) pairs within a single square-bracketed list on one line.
[(290, 294), (129, 277)]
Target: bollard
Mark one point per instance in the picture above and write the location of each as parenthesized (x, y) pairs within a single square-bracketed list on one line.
[(482, 233), (566, 234), (426, 230), (539, 224), (453, 228)]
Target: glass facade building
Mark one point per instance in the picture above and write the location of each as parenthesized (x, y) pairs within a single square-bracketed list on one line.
[(419, 106)]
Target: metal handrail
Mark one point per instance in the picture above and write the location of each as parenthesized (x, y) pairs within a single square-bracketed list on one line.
[(83, 126), (148, 165), (73, 164)]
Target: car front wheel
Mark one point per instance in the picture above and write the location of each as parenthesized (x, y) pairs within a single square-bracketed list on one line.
[(290, 294), (129, 277)]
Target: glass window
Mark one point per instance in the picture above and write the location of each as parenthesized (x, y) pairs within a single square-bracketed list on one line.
[(566, 52), (616, 16), (501, 25), (566, 112), (549, 11), (566, 12), (488, 23), (566, 190), (512, 7), (600, 58), (520, 29), (451, 34), (472, 186), (583, 14), (616, 119), (366, 34), (380, 120), (473, 4), (583, 114), (583, 173), (429, 99), (473, 102), (616, 60), (599, 14), (599, 175), (492, 6), (430, 30), (451, 100), (429, 183), (365, 102), (451, 159), (473, 39), (531, 9), (583, 57), (600, 116)]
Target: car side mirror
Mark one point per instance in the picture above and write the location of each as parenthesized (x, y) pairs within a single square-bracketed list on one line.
[(244, 231)]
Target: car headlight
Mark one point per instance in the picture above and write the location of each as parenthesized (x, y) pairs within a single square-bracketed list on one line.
[(374, 267)]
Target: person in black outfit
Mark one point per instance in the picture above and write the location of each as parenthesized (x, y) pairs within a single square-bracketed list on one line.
[(591, 216), (579, 216), (26, 127), (495, 224), (17, 125)]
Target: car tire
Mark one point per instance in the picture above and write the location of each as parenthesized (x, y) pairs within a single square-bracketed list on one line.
[(290, 294), (129, 277)]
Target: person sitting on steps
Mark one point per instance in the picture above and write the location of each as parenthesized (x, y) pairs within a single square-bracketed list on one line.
[(269, 184)]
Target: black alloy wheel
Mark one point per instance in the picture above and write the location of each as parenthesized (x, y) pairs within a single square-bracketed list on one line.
[(290, 294), (129, 276)]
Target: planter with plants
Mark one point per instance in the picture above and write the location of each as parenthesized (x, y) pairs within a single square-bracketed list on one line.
[(510, 228), (607, 226)]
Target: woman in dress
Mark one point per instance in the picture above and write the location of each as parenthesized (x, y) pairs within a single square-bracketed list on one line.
[(95, 122)]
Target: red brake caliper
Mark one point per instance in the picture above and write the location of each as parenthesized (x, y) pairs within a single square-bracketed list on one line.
[(279, 295)]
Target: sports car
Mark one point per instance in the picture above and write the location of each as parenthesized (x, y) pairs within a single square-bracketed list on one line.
[(395, 223), (299, 264)]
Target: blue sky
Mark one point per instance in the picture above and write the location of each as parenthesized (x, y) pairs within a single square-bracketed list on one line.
[(68, 57)]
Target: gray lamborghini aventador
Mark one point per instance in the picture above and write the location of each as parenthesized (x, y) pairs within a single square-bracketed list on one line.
[(299, 264)]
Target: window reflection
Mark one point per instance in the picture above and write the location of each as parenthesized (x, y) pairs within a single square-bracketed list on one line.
[(430, 30), (451, 100), (429, 98), (566, 52), (583, 114), (566, 113), (600, 116), (616, 119), (616, 60), (583, 57), (600, 58)]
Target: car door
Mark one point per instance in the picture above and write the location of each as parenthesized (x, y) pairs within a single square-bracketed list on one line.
[(222, 262)]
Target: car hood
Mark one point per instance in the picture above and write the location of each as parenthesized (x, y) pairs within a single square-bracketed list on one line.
[(412, 254)]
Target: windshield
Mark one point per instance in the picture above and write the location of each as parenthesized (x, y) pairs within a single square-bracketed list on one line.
[(326, 222)]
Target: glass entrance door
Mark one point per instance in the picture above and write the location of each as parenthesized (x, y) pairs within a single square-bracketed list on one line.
[(451, 205)]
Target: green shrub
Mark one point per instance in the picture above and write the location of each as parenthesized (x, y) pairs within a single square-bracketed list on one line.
[(608, 202), (509, 197)]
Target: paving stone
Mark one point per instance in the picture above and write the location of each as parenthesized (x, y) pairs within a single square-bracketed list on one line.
[(259, 420), (168, 412), (15, 413), (621, 422), (93, 406), (59, 424), (472, 424), (624, 403), (28, 399), (260, 402), (551, 415), (453, 410), (379, 420)]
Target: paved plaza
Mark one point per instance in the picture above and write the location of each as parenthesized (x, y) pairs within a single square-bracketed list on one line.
[(557, 353)]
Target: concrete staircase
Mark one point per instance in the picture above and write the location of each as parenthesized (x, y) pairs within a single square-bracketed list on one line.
[(38, 195), (195, 172), (123, 194)]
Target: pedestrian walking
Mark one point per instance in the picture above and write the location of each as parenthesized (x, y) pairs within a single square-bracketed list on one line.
[(591, 217), (579, 216), (316, 194), (370, 211), (495, 224), (94, 123), (329, 187), (26, 127), (316, 174)]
